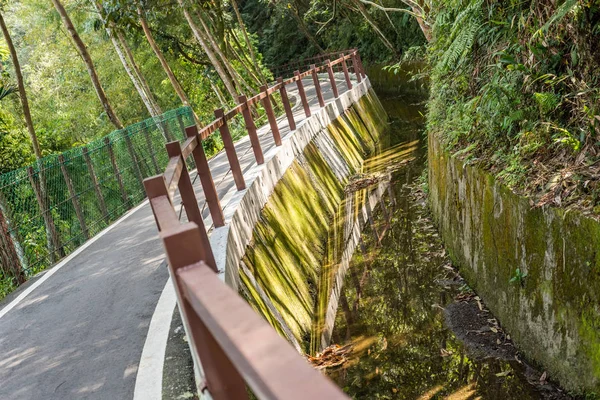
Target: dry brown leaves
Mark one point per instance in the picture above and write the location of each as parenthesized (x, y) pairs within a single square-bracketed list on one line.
[(332, 356)]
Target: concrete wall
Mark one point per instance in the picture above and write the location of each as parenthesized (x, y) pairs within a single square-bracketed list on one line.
[(553, 313), (288, 206)]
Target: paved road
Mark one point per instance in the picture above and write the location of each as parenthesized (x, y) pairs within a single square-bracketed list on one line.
[(81, 332)]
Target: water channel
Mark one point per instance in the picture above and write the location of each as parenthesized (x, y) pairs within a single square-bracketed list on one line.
[(408, 327)]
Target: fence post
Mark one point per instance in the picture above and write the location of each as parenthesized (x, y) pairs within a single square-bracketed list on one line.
[(208, 185), (315, 77), (74, 200), (116, 170), (150, 147), (234, 163), (136, 165), (12, 257), (286, 105), (302, 94), (223, 381), (360, 65), (355, 67), (332, 79), (46, 214), (346, 75), (251, 128), (190, 203), (99, 195), (271, 115)]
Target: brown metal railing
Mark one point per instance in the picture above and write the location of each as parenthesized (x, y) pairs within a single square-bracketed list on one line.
[(235, 346)]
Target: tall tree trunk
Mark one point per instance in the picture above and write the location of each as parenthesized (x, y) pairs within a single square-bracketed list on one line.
[(247, 39), (110, 30), (211, 55), (176, 86), (85, 55), (10, 252), (238, 79), (138, 73), (253, 70), (305, 30), (50, 230), (365, 13)]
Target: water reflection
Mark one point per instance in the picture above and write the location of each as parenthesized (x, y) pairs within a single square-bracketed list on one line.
[(391, 319)]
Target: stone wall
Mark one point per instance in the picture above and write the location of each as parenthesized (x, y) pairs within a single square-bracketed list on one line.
[(552, 308), (277, 228)]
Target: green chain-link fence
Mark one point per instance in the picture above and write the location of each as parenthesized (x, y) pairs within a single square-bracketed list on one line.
[(50, 208)]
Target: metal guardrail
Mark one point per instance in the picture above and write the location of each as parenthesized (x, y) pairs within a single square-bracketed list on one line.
[(232, 343)]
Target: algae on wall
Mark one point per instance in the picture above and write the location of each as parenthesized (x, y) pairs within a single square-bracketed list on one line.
[(552, 307), (288, 243)]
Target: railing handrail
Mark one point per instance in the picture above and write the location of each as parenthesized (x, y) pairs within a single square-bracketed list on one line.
[(232, 343)]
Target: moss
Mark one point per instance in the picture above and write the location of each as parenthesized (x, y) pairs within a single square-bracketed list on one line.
[(286, 253), (554, 317)]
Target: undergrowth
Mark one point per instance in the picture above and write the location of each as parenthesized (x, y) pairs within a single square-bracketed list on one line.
[(514, 88)]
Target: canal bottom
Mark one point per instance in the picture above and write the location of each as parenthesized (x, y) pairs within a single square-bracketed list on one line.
[(408, 327)]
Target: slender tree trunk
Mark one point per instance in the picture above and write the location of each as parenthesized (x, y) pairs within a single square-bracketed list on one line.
[(10, 252), (247, 39), (305, 30), (85, 55), (178, 89), (238, 79), (365, 13), (138, 73), (248, 65), (211, 55), (217, 91), (110, 30)]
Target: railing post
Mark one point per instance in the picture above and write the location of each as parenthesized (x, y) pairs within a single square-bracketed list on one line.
[(99, 196), (332, 79), (208, 185), (223, 381), (355, 67), (190, 203), (360, 65), (302, 94), (74, 200), (46, 214), (251, 128), (271, 115), (315, 77), (116, 171), (346, 74), (286, 105), (234, 163)]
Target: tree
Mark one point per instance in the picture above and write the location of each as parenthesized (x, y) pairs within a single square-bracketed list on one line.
[(85, 56), (161, 58), (128, 62), (51, 237)]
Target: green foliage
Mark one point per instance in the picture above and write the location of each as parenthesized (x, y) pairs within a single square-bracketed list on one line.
[(520, 79), (518, 277), (335, 26)]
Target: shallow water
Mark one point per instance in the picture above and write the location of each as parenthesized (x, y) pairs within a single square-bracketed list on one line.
[(399, 293)]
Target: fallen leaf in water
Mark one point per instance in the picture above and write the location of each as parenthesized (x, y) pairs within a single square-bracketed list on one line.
[(494, 329), (543, 378)]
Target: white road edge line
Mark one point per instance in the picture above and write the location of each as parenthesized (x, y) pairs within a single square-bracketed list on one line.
[(71, 256), (148, 383)]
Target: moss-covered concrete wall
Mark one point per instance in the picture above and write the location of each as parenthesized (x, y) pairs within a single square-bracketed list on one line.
[(552, 308), (289, 239)]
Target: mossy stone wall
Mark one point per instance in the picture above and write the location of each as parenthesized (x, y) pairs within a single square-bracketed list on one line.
[(553, 313), (289, 241)]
